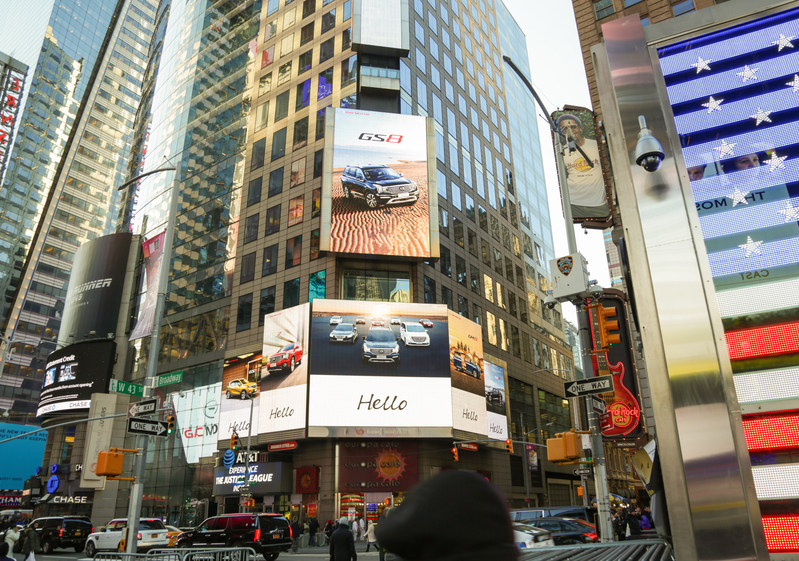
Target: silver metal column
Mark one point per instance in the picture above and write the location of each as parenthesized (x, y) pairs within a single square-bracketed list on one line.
[(712, 505)]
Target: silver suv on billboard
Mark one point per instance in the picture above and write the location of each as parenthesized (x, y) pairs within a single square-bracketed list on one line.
[(378, 185), (380, 345)]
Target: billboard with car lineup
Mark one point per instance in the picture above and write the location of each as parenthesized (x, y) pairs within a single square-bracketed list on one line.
[(468, 377), (379, 369), (378, 185)]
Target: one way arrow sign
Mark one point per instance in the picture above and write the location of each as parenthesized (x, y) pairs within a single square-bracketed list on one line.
[(146, 426), (600, 384)]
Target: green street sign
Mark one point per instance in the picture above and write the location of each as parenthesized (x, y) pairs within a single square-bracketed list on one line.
[(128, 388), (171, 378)]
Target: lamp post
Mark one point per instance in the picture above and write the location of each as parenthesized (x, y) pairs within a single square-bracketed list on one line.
[(583, 324)]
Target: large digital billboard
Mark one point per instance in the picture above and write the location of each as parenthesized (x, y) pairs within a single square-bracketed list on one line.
[(377, 465), (73, 374), (466, 367), (23, 455), (496, 401), (378, 185), (379, 369)]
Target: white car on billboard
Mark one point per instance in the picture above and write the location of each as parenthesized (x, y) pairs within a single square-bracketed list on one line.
[(414, 334)]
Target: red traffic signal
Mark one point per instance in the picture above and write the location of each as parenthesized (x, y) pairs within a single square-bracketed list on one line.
[(454, 453)]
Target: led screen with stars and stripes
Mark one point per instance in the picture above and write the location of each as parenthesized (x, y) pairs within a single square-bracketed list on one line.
[(735, 98)]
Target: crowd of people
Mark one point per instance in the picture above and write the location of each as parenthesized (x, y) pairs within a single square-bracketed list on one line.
[(631, 522), (335, 535)]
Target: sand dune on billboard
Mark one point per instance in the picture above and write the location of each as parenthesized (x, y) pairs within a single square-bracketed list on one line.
[(402, 230)]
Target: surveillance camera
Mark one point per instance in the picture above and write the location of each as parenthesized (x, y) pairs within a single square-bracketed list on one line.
[(595, 291), (550, 302), (648, 151)]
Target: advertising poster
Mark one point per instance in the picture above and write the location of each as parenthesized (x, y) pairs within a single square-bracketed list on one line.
[(379, 367), (496, 401), (264, 478), (197, 420), (94, 294), (239, 393), (27, 453), (468, 377), (371, 466), (73, 374), (376, 198), (284, 370), (584, 177), (152, 250)]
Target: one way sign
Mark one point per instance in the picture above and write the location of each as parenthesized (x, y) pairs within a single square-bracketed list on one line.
[(146, 426), (600, 384)]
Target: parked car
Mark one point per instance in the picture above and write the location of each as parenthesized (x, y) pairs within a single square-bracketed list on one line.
[(529, 515), (527, 537), (335, 320), (286, 359), (344, 333), (377, 185), (267, 534), (152, 533), (462, 363), (413, 334), (60, 532), (426, 322), (241, 387), (568, 530), (380, 345)]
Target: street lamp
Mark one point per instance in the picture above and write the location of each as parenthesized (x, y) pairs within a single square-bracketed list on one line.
[(583, 322)]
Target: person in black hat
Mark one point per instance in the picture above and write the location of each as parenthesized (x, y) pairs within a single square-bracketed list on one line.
[(453, 516), (342, 543)]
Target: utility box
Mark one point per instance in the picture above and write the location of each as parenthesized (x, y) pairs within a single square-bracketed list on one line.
[(569, 276), (110, 463)]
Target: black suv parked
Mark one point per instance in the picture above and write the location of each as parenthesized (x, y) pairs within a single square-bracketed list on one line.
[(60, 532), (377, 185), (268, 534)]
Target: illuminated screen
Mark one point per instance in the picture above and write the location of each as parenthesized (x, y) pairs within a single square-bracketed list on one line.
[(376, 195), (735, 94)]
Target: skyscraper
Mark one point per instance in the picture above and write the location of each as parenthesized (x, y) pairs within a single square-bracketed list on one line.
[(70, 152)]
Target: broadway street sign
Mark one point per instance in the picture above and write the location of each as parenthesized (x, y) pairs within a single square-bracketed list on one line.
[(147, 427), (600, 384)]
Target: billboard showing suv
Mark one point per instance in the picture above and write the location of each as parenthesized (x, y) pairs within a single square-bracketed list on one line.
[(379, 173)]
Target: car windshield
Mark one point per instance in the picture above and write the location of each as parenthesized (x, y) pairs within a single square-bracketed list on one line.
[(378, 174), (527, 529), (345, 327), (380, 335), (412, 327), (151, 525), (287, 347)]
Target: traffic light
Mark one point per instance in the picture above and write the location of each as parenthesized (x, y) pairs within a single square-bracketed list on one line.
[(109, 463), (565, 447), (234, 441), (454, 453), (509, 445), (606, 325), (170, 424)]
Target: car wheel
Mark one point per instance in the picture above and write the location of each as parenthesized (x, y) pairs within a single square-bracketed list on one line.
[(371, 200), (184, 544), (243, 394), (347, 194), (228, 394), (270, 556), (47, 547), (91, 549), (291, 364)]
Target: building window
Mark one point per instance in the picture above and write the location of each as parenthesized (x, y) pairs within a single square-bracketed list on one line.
[(318, 160), (267, 304), (287, 45), (474, 274), (328, 21), (284, 73), (352, 101), (429, 290), (485, 250), (265, 84), (482, 216), (316, 285), (291, 293), (300, 133), (275, 182), (463, 306), (316, 203), (628, 3), (295, 210), (293, 251), (314, 244), (325, 83), (348, 71), (281, 106), (472, 241), (268, 56), (258, 153), (306, 34), (683, 7), (270, 260), (244, 313), (445, 263), (279, 144), (254, 191), (297, 176), (261, 116), (603, 8), (460, 270), (326, 50), (491, 328), (247, 268), (346, 39), (457, 230), (443, 221), (273, 220), (303, 97), (270, 29), (308, 7), (251, 228), (446, 297), (477, 314), (320, 123), (305, 61)]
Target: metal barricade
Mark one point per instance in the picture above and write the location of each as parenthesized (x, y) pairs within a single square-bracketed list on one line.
[(201, 554), (164, 555)]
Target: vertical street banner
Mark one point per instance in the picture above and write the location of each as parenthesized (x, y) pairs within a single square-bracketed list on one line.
[(153, 250)]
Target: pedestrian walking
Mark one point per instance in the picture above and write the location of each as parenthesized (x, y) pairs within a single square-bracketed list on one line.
[(328, 531), (32, 543), (362, 529), (296, 535), (313, 528), (12, 537), (342, 543), (369, 536)]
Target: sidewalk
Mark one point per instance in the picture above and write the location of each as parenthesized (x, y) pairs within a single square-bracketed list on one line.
[(360, 547)]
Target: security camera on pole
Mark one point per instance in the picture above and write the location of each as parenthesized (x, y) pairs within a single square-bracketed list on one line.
[(576, 289)]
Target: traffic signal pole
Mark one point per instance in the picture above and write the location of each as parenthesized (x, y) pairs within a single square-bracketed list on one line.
[(583, 325)]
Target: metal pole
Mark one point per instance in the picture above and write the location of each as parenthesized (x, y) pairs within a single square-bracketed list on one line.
[(583, 322), (246, 486), (142, 441)]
